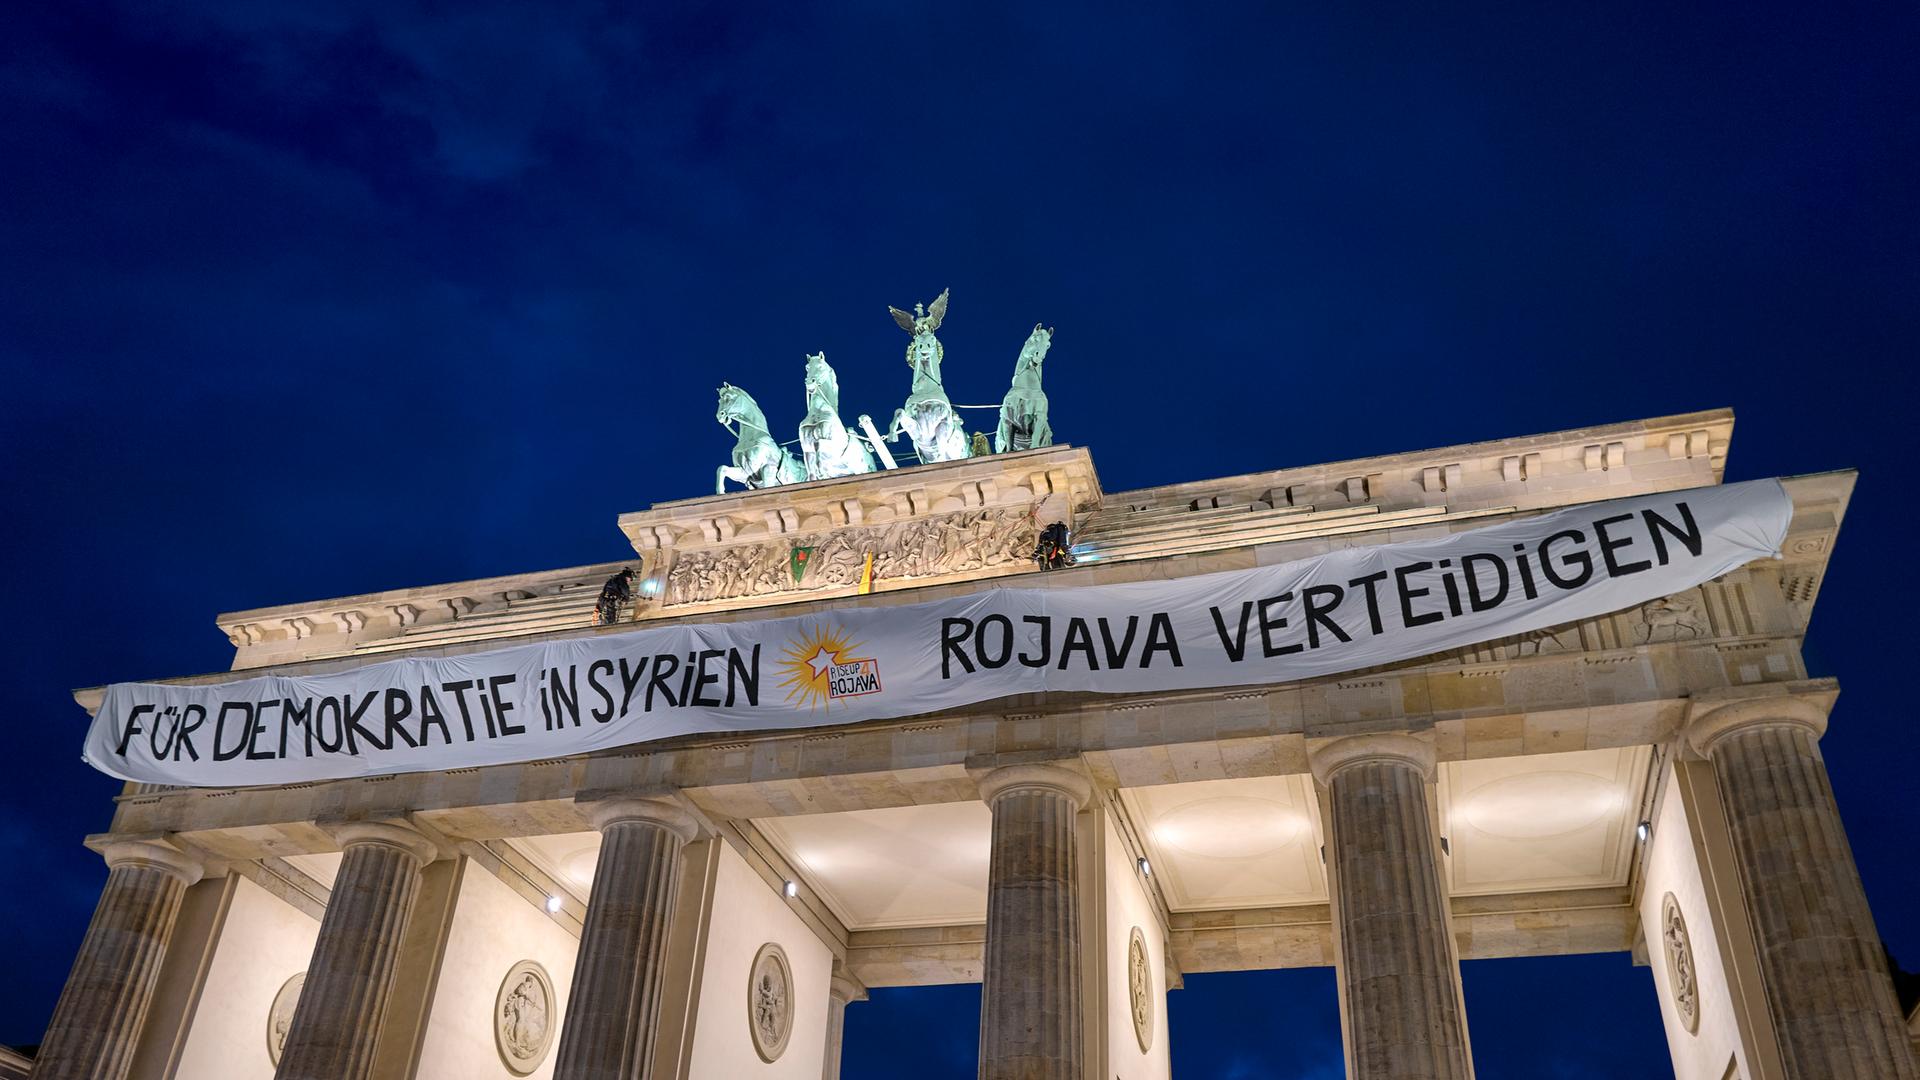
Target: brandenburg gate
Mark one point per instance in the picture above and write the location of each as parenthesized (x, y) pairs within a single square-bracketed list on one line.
[(980, 720)]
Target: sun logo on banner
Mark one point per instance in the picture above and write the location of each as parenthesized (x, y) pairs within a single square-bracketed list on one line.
[(819, 667)]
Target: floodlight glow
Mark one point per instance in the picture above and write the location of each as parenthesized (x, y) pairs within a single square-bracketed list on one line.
[(792, 889), (553, 904), (1146, 870), (1643, 830)]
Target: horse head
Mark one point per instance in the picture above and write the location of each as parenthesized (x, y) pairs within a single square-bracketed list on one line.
[(1034, 352), (737, 405), (823, 386)]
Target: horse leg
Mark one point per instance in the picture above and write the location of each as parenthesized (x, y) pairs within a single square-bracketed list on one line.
[(725, 473)]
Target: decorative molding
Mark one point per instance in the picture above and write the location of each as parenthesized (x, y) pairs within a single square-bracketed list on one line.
[(1140, 989), (280, 1016)]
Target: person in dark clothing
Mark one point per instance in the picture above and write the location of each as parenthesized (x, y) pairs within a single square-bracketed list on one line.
[(618, 590)]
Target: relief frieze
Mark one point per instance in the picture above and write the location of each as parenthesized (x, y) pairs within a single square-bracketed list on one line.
[(939, 546)]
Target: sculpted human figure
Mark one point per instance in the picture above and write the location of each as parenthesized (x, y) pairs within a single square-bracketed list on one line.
[(1023, 413), (928, 418), (758, 461), (826, 447)]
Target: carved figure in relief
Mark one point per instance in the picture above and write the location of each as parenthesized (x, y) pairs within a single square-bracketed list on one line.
[(1538, 640), (1671, 618), (758, 461), (1023, 412), (827, 448), (523, 1017), (928, 418), (769, 1005), (1685, 986)]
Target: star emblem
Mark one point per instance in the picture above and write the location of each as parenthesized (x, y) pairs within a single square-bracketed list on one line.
[(820, 661)]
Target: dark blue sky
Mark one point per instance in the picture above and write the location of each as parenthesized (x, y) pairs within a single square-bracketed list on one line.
[(300, 300)]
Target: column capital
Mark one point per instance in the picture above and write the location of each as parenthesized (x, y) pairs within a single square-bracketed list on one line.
[(1709, 721), (153, 855), (1049, 778), (1414, 751), (845, 988), (389, 833), (605, 813)]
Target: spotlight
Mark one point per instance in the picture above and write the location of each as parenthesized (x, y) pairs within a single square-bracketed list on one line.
[(1146, 870), (792, 889), (1643, 830), (553, 904)]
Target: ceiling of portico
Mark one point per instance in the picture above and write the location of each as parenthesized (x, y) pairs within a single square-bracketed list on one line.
[(1217, 844), (895, 867), (322, 867), (568, 858), (1545, 821)]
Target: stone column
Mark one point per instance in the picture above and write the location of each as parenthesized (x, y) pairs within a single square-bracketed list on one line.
[(1821, 963), (1397, 968), (337, 1024), (844, 988), (614, 1008), (97, 1022), (1030, 1002)]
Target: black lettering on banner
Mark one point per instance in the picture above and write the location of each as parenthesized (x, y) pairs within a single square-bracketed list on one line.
[(399, 707), (245, 709), (502, 706), (1452, 587), (356, 730), (1079, 639), (333, 745), (1117, 656), (594, 671), (1270, 622), (431, 716), (1526, 573), (664, 666), (132, 728), (1234, 642), (1409, 594), (166, 722), (706, 679), (953, 637), (1046, 642), (191, 718), (982, 642), (565, 696), (630, 681), (1320, 615), (1576, 557), (302, 715), (1370, 584), (686, 679), (1611, 544), (459, 692), (1689, 537), (1160, 639), (746, 674), (257, 726), (1476, 598)]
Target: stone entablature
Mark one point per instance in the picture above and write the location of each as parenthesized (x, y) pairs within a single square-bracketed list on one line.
[(731, 549)]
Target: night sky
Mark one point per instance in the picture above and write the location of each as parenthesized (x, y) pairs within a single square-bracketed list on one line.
[(308, 299)]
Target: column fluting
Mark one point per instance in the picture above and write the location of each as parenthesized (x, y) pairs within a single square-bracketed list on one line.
[(613, 1011), (336, 1025), (97, 1022), (1825, 973), (1397, 968), (1030, 1022), (843, 989)]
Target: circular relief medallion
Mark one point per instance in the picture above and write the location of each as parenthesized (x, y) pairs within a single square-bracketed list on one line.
[(280, 1016), (1682, 981), (1140, 989), (770, 1001), (524, 1018)]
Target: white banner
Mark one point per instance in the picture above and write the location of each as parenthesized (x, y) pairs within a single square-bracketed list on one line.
[(1352, 608)]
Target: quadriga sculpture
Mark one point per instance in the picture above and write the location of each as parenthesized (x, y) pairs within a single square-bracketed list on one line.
[(827, 448), (928, 418), (1023, 413), (758, 461)]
